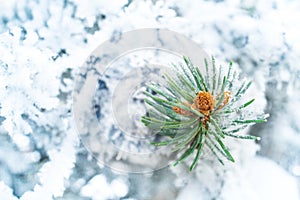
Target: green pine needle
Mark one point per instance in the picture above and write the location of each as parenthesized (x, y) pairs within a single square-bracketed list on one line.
[(192, 110)]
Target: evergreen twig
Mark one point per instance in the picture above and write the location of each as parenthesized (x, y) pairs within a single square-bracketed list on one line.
[(197, 111)]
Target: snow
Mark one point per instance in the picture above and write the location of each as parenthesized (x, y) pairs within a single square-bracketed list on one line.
[(120, 188), (6, 192), (42, 45), (260, 179), (270, 181), (99, 189)]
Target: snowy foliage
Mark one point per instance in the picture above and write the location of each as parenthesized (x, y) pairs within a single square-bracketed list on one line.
[(42, 45)]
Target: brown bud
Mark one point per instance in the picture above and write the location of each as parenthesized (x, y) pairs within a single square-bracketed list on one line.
[(204, 102), (182, 111), (227, 96)]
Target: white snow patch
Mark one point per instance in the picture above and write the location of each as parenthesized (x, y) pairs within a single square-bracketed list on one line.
[(260, 179), (6, 192)]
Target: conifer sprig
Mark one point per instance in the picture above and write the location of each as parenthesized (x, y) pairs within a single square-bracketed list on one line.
[(196, 110)]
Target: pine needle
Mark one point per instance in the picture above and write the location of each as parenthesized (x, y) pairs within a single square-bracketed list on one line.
[(193, 112)]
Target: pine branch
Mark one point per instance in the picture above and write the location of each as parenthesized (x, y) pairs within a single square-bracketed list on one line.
[(197, 112)]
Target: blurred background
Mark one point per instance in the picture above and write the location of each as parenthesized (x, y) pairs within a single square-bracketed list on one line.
[(42, 45)]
